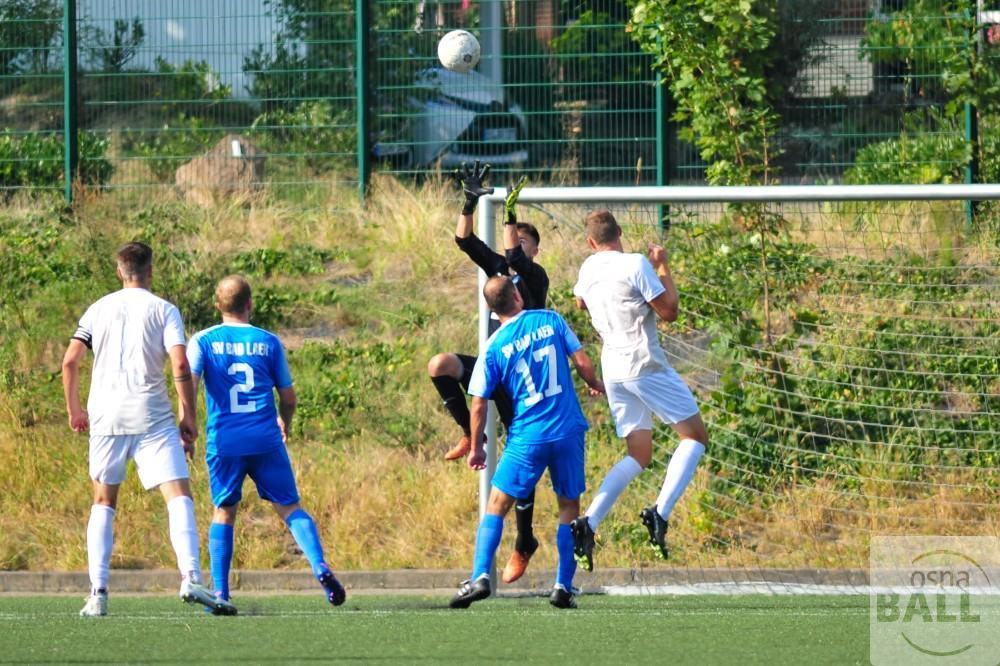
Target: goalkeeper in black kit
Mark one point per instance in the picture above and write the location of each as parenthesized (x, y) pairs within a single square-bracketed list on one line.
[(450, 372)]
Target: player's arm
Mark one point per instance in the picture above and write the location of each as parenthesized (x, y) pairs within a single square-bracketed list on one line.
[(287, 401), (477, 425), (471, 179), (184, 383), (580, 303), (585, 368), (511, 241), (78, 419), (665, 305)]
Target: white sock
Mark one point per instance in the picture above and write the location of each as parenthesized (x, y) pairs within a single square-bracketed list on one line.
[(184, 536), (614, 483), (679, 473), (100, 538)]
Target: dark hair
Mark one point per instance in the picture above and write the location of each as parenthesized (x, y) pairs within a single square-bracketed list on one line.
[(134, 260), (499, 294), (232, 294), (602, 227), (531, 230)]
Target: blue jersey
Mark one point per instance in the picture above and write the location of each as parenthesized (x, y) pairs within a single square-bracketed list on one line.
[(527, 355), (240, 365)]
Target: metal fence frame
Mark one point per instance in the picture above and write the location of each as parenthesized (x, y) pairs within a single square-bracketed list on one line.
[(671, 163)]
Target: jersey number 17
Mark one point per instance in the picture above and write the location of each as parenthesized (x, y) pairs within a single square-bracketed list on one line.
[(540, 355)]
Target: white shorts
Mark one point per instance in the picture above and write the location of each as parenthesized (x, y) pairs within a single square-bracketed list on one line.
[(159, 457), (634, 401)]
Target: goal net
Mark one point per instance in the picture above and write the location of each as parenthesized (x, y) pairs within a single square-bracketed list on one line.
[(844, 346)]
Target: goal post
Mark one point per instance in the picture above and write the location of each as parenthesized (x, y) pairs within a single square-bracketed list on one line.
[(841, 340)]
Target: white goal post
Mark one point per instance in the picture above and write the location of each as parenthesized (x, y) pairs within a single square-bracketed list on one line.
[(489, 205)]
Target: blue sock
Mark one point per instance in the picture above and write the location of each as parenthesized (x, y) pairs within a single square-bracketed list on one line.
[(487, 541), (302, 527), (567, 564), (220, 548)]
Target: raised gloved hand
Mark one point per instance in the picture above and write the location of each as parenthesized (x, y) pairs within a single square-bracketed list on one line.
[(513, 192), (471, 179)]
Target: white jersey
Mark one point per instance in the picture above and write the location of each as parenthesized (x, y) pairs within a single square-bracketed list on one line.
[(131, 332), (617, 288)]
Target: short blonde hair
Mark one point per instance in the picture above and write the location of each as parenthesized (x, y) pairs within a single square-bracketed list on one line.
[(232, 294)]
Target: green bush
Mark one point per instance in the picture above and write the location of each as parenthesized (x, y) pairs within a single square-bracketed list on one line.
[(916, 160), (173, 145), (313, 131), (36, 160)]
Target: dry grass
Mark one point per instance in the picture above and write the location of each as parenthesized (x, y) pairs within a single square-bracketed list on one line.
[(380, 504)]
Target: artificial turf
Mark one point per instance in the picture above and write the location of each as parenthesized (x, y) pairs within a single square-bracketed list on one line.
[(707, 629)]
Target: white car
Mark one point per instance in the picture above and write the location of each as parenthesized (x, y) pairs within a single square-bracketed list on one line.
[(458, 118)]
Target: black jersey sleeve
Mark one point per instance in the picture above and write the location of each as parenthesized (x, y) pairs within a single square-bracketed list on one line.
[(534, 276), (481, 254)]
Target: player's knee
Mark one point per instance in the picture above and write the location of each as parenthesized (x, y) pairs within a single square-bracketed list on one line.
[(435, 366), (444, 365), (104, 500), (225, 515), (499, 503), (642, 457), (700, 435)]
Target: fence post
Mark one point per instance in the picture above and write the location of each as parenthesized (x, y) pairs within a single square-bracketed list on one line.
[(972, 168), (71, 145), (362, 43), (662, 149)]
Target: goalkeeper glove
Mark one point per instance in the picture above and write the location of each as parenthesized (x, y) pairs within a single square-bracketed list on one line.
[(509, 204), (471, 179)]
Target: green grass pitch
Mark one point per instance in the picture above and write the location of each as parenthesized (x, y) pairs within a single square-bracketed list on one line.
[(415, 629)]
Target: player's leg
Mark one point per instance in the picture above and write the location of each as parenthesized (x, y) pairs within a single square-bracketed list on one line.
[(159, 459), (448, 371), (516, 476), (221, 538), (225, 479), (100, 539), (666, 394), (525, 544), (487, 541), (275, 480), (108, 457), (634, 422), (566, 470)]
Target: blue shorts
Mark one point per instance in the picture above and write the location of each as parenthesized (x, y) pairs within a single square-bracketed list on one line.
[(271, 472), (522, 465)]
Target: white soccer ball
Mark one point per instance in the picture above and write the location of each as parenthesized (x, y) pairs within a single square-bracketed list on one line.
[(459, 51)]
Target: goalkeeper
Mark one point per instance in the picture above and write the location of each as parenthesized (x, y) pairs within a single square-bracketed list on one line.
[(451, 372)]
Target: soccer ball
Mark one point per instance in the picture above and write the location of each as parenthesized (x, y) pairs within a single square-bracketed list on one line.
[(459, 51)]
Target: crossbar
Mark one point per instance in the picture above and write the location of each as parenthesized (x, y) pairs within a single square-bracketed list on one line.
[(758, 194)]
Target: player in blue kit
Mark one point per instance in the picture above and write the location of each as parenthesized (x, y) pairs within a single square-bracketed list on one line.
[(242, 366), (528, 357)]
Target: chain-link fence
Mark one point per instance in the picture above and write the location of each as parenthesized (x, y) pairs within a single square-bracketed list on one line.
[(563, 93)]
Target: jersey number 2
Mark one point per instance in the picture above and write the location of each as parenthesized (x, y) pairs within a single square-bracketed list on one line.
[(235, 406), (529, 384)]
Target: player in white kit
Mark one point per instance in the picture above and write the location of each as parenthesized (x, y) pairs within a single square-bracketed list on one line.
[(624, 293), (132, 332)]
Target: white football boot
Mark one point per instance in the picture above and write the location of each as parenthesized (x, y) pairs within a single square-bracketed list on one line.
[(196, 593), (96, 606)]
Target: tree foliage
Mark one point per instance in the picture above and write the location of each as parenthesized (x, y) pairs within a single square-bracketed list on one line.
[(112, 51), (27, 30), (714, 55)]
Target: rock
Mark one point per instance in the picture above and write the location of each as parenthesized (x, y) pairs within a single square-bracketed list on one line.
[(234, 167)]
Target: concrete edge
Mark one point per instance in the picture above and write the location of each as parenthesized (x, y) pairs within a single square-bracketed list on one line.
[(434, 580)]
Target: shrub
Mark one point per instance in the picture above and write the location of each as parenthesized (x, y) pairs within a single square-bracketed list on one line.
[(36, 160)]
